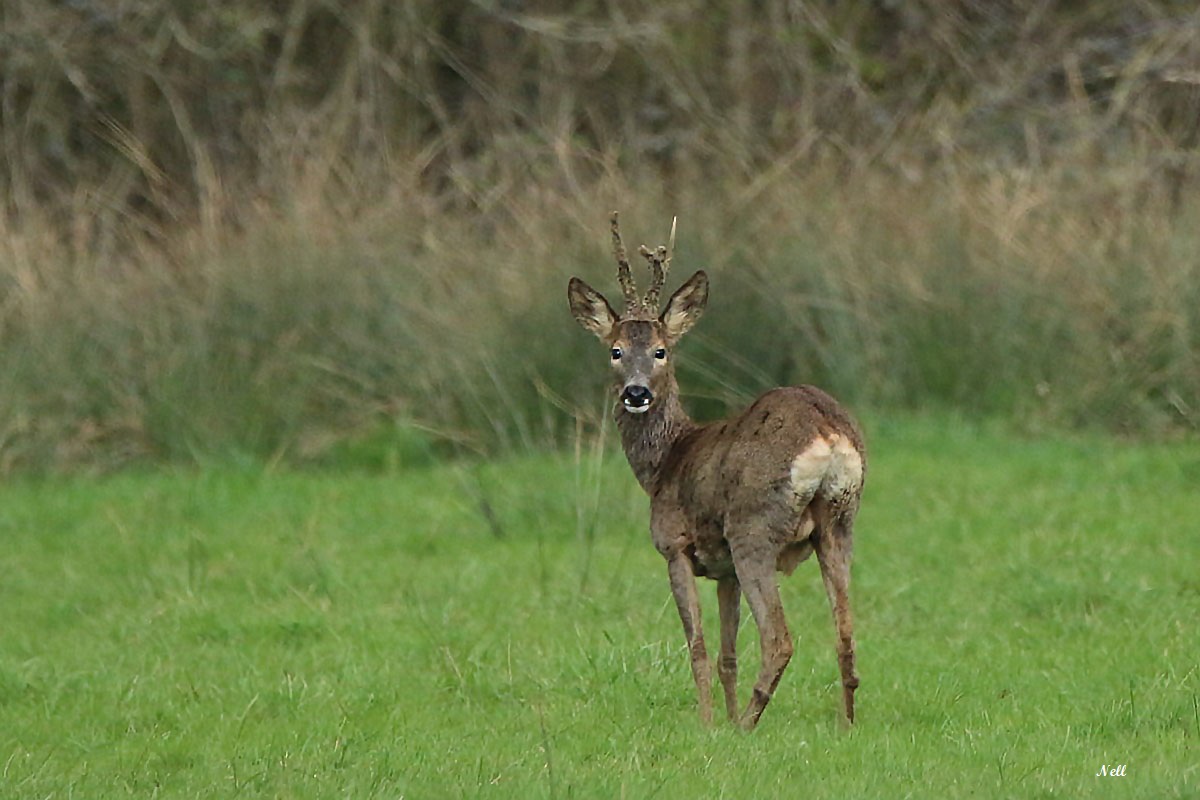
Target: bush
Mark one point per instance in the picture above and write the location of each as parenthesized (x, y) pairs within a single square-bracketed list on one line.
[(236, 228)]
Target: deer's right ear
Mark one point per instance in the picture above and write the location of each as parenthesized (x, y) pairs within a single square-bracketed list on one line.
[(590, 309)]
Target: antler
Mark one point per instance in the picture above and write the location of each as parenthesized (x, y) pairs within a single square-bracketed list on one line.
[(670, 247), (659, 262), (624, 275)]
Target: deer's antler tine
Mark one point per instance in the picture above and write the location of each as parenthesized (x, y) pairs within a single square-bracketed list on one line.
[(670, 247), (624, 274), (659, 262), (658, 276)]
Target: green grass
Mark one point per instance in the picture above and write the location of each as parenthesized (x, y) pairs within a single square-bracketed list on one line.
[(1026, 612)]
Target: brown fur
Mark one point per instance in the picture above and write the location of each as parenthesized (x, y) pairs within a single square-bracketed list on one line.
[(739, 499)]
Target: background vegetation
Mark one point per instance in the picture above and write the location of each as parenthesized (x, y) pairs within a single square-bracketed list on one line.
[(275, 228)]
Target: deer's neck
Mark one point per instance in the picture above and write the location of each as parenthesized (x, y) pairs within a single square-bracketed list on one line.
[(648, 438)]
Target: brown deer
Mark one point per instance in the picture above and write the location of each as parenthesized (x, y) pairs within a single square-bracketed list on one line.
[(735, 500)]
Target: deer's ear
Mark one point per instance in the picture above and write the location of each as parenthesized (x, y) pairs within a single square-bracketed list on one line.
[(590, 309), (685, 306)]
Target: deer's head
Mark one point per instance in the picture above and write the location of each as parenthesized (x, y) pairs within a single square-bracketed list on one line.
[(641, 339)]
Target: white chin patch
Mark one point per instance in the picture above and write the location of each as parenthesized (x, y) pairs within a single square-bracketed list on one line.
[(636, 409)]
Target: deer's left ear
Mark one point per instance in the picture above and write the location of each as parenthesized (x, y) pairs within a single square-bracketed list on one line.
[(685, 306), (590, 309)]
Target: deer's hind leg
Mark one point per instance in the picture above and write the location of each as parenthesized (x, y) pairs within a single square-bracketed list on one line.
[(834, 546), (754, 560)]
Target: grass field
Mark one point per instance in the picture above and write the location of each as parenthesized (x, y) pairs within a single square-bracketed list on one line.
[(1027, 612)]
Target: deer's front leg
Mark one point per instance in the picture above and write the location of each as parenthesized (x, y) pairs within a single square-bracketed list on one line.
[(729, 597), (683, 587)]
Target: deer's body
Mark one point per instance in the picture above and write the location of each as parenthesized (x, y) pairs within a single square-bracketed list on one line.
[(790, 457), (736, 500)]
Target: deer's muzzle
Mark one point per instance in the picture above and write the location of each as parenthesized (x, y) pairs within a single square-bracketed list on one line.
[(636, 399)]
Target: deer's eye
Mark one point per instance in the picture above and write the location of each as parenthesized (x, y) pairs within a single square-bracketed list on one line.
[(616, 353), (660, 354)]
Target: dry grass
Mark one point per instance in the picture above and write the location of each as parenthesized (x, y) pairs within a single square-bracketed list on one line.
[(1002, 295), (267, 232)]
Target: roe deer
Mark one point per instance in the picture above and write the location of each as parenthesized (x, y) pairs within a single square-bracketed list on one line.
[(735, 500)]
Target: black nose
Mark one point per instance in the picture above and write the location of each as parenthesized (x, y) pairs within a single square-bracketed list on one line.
[(636, 396)]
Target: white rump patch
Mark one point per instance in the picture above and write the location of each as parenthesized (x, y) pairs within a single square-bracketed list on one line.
[(831, 466), (846, 472), (810, 467)]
